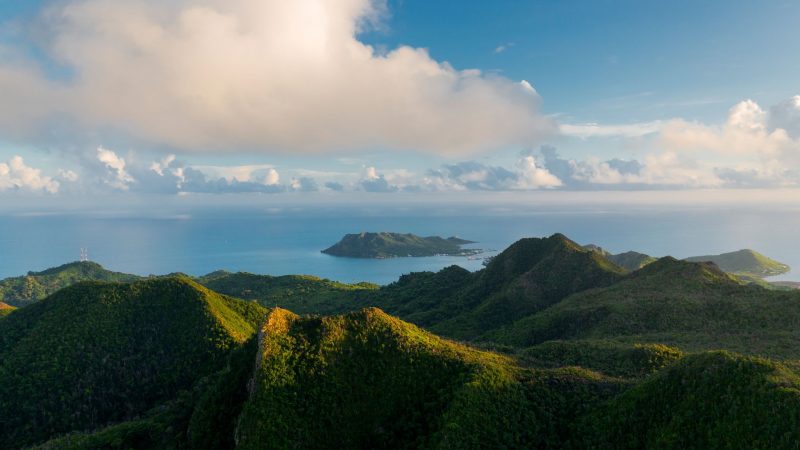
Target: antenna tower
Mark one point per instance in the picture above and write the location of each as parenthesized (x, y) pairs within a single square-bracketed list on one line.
[(84, 254)]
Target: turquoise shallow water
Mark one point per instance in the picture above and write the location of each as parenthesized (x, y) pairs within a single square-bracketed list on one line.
[(199, 241)]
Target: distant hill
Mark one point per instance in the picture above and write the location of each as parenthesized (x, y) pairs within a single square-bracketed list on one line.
[(693, 306), (529, 276), (391, 245), (747, 263), (629, 261), (99, 353), (24, 290), (303, 294)]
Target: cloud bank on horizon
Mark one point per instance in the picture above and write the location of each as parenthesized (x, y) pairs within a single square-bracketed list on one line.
[(273, 77)]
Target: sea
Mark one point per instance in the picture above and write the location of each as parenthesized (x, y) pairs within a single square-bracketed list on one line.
[(280, 241)]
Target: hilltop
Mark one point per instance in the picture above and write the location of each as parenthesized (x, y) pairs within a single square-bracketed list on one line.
[(97, 353), (629, 260), (745, 263), (391, 245), (27, 289)]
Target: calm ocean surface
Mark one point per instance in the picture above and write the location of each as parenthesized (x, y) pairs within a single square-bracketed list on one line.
[(289, 241)]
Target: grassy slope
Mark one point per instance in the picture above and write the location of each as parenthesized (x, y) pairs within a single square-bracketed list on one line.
[(705, 401), (302, 294), (748, 263), (688, 305), (388, 245), (24, 290), (98, 353), (368, 380)]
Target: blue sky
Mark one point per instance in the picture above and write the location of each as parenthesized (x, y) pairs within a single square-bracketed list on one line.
[(616, 60), (100, 96)]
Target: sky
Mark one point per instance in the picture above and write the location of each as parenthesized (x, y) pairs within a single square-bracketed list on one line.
[(412, 98)]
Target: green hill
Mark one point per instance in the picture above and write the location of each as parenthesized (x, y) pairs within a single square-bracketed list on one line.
[(629, 261), (98, 353), (707, 401), (390, 245), (24, 290), (693, 306), (303, 294), (746, 263), (368, 380), (529, 276)]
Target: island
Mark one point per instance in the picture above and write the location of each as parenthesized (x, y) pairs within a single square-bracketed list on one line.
[(745, 263), (392, 245)]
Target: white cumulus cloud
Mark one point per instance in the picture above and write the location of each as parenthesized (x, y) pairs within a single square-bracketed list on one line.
[(117, 176), (270, 75), (16, 175), (745, 132), (531, 176)]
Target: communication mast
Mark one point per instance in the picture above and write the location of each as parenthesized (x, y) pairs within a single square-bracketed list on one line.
[(84, 254)]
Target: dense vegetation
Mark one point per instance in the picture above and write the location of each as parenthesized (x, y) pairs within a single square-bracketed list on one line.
[(367, 380), (96, 353), (390, 245), (24, 290), (710, 400), (585, 354), (618, 360), (688, 305), (526, 278)]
